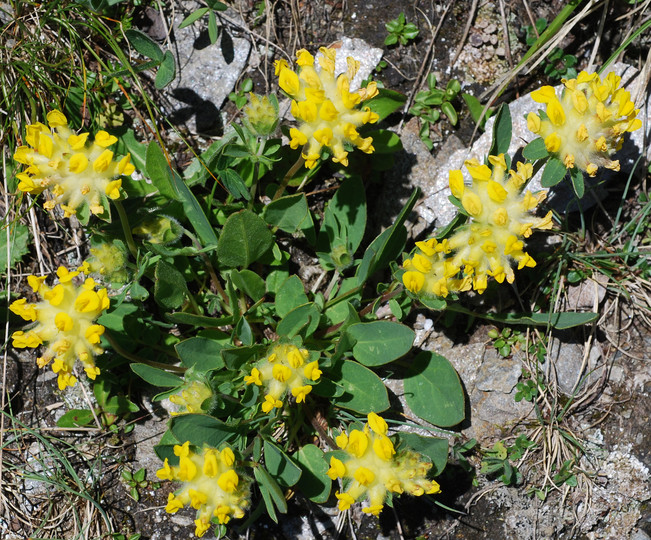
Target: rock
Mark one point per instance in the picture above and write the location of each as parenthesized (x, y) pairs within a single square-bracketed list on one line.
[(561, 197), (588, 294), (567, 360), (206, 73)]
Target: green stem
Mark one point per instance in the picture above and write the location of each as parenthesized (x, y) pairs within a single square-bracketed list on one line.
[(126, 229), (290, 173), (256, 171)]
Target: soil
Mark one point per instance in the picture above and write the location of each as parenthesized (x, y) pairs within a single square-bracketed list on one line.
[(616, 423)]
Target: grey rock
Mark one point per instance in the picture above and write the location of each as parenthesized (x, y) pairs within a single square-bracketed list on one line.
[(497, 374), (587, 293), (206, 73), (567, 360)]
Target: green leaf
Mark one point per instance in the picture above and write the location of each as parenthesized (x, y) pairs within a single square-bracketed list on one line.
[(476, 109), (244, 239), (198, 320), (385, 141), (271, 493), (391, 39), (576, 175), (290, 295), (364, 391), (212, 27), (158, 170), (535, 150), (165, 448), (200, 353), (502, 130), (553, 172), (144, 44), (18, 243), (201, 429), (344, 220), (433, 390), (314, 482), (250, 283), (387, 246), (386, 102), (380, 342), (304, 319), (448, 110), (166, 71), (76, 418), (434, 448), (280, 466), (195, 15), (155, 376), (287, 213), (234, 184), (435, 304), (170, 289)]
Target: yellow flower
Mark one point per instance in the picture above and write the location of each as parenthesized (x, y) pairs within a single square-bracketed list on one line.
[(212, 486), (192, 397), (327, 110), (372, 468), (58, 159), (65, 321), (587, 124), (490, 242), (284, 371)]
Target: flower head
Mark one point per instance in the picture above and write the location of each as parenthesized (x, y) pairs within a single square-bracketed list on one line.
[(59, 159), (587, 124), (372, 468), (490, 242), (65, 322), (262, 114), (109, 261), (191, 397), (327, 110), (211, 485), (285, 370)]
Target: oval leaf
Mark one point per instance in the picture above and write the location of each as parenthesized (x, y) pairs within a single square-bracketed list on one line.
[(364, 391), (144, 44), (244, 239), (314, 482), (200, 353), (287, 213), (166, 71), (281, 467), (201, 429), (433, 390), (155, 376), (553, 173), (380, 342)]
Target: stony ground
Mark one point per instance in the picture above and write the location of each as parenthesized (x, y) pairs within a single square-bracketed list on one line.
[(610, 414)]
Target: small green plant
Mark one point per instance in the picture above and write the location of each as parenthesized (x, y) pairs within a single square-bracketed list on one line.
[(137, 481), (558, 64), (430, 103), (239, 97), (528, 389), (498, 461), (400, 31), (506, 340), (213, 7)]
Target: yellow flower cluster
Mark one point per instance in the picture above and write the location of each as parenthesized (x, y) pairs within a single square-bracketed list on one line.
[(191, 397), (373, 468), (500, 217), (325, 106), (66, 322), (587, 124), (284, 370), (211, 485), (58, 158)]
